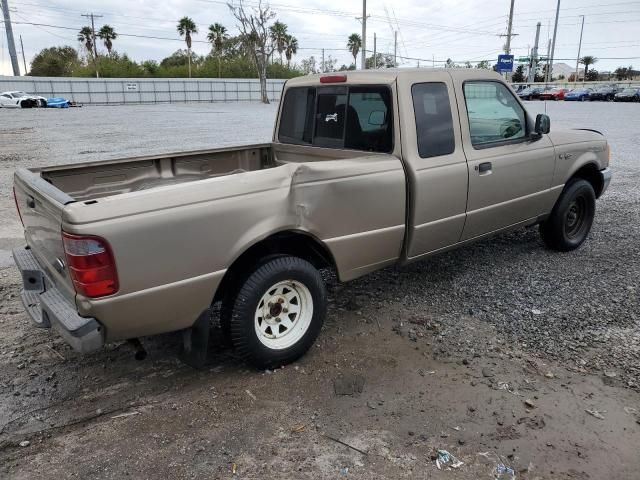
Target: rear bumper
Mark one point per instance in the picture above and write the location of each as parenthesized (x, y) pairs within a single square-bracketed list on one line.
[(606, 179), (48, 308)]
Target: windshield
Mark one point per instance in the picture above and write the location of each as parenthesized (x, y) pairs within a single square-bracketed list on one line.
[(18, 94), (629, 90)]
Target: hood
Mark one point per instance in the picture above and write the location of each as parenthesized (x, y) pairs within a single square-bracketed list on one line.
[(565, 137)]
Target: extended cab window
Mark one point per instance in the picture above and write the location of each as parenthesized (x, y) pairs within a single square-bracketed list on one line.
[(358, 118), (495, 116), (434, 124)]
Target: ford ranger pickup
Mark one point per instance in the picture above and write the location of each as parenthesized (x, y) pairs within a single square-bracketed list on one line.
[(365, 170)]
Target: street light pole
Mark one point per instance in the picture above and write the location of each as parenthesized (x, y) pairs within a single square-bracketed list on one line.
[(534, 56)]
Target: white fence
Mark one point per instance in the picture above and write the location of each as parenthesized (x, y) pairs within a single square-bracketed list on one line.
[(110, 91)]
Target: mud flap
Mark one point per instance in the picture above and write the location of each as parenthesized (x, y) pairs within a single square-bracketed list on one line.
[(195, 341)]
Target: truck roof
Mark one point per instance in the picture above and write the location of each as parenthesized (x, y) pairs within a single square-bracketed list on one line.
[(390, 75)]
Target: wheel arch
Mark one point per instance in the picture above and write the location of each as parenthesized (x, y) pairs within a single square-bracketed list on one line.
[(591, 173), (287, 242)]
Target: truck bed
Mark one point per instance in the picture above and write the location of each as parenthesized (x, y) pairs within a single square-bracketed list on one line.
[(99, 179)]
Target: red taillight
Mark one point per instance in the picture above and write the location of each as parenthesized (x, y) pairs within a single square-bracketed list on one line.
[(333, 79), (91, 265), (15, 199)]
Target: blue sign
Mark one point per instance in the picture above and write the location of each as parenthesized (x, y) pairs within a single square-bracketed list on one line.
[(505, 63)]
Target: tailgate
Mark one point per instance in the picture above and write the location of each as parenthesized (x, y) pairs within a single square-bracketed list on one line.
[(40, 205)]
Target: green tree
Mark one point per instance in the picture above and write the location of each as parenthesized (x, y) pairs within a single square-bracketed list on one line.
[(187, 27), (518, 75), (107, 34), (291, 48), (85, 36), (354, 44), (278, 33), (55, 62), (591, 75), (587, 61), (382, 61), (450, 64), (484, 64), (217, 36)]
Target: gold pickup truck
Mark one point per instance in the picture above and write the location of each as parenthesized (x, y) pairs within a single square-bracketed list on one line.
[(365, 170)]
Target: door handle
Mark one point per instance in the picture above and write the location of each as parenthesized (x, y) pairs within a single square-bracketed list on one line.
[(31, 202), (484, 168)]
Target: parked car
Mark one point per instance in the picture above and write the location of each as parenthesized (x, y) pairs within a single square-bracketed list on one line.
[(631, 94), (578, 95), (554, 94), (18, 99), (606, 93), (365, 170), (58, 102), (530, 93)]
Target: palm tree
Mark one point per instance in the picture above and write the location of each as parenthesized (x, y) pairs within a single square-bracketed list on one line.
[(291, 48), (586, 61), (216, 36), (354, 44), (278, 33), (108, 34), (85, 36), (186, 27)]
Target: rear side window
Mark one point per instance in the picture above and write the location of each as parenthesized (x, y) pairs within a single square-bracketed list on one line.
[(358, 118), (434, 123), (296, 122)]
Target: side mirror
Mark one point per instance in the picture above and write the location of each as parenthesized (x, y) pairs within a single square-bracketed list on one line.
[(543, 124)]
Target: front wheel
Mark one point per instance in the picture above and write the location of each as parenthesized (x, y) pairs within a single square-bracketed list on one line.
[(278, 312), (571, 218)]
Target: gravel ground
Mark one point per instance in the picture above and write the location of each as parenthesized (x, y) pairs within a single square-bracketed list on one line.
[(490, 325)]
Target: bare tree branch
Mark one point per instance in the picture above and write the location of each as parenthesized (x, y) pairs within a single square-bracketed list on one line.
[(254, 23)]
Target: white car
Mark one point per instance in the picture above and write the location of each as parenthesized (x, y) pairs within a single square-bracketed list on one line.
[(19, 99)]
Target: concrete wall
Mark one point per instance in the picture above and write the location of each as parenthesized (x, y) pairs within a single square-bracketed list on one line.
[(143, 90)]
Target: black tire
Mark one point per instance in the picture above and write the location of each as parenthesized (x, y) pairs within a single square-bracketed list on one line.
[(242, 322), (571, 218)]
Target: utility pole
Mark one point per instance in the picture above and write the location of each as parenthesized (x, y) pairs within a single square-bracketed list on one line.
[(547, 73), (507, 46), (395, 48), (364, 35), (24, 61), (578, 58), (375, 51), (93, 35), (553, 44), (10, 41), (534, 56), (322, 66)]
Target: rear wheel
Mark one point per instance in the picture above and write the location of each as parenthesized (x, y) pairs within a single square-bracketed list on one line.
[(571, 218), (278, 312)]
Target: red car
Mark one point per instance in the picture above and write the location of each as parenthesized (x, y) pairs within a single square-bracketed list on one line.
[(554, 94)]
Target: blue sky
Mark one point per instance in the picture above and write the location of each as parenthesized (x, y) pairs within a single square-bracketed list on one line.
[(458, 29)]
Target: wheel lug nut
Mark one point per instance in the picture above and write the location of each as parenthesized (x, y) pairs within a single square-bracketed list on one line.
[(285, 310), (268, 315), (270, 304), (277, 320), (281, 300)]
